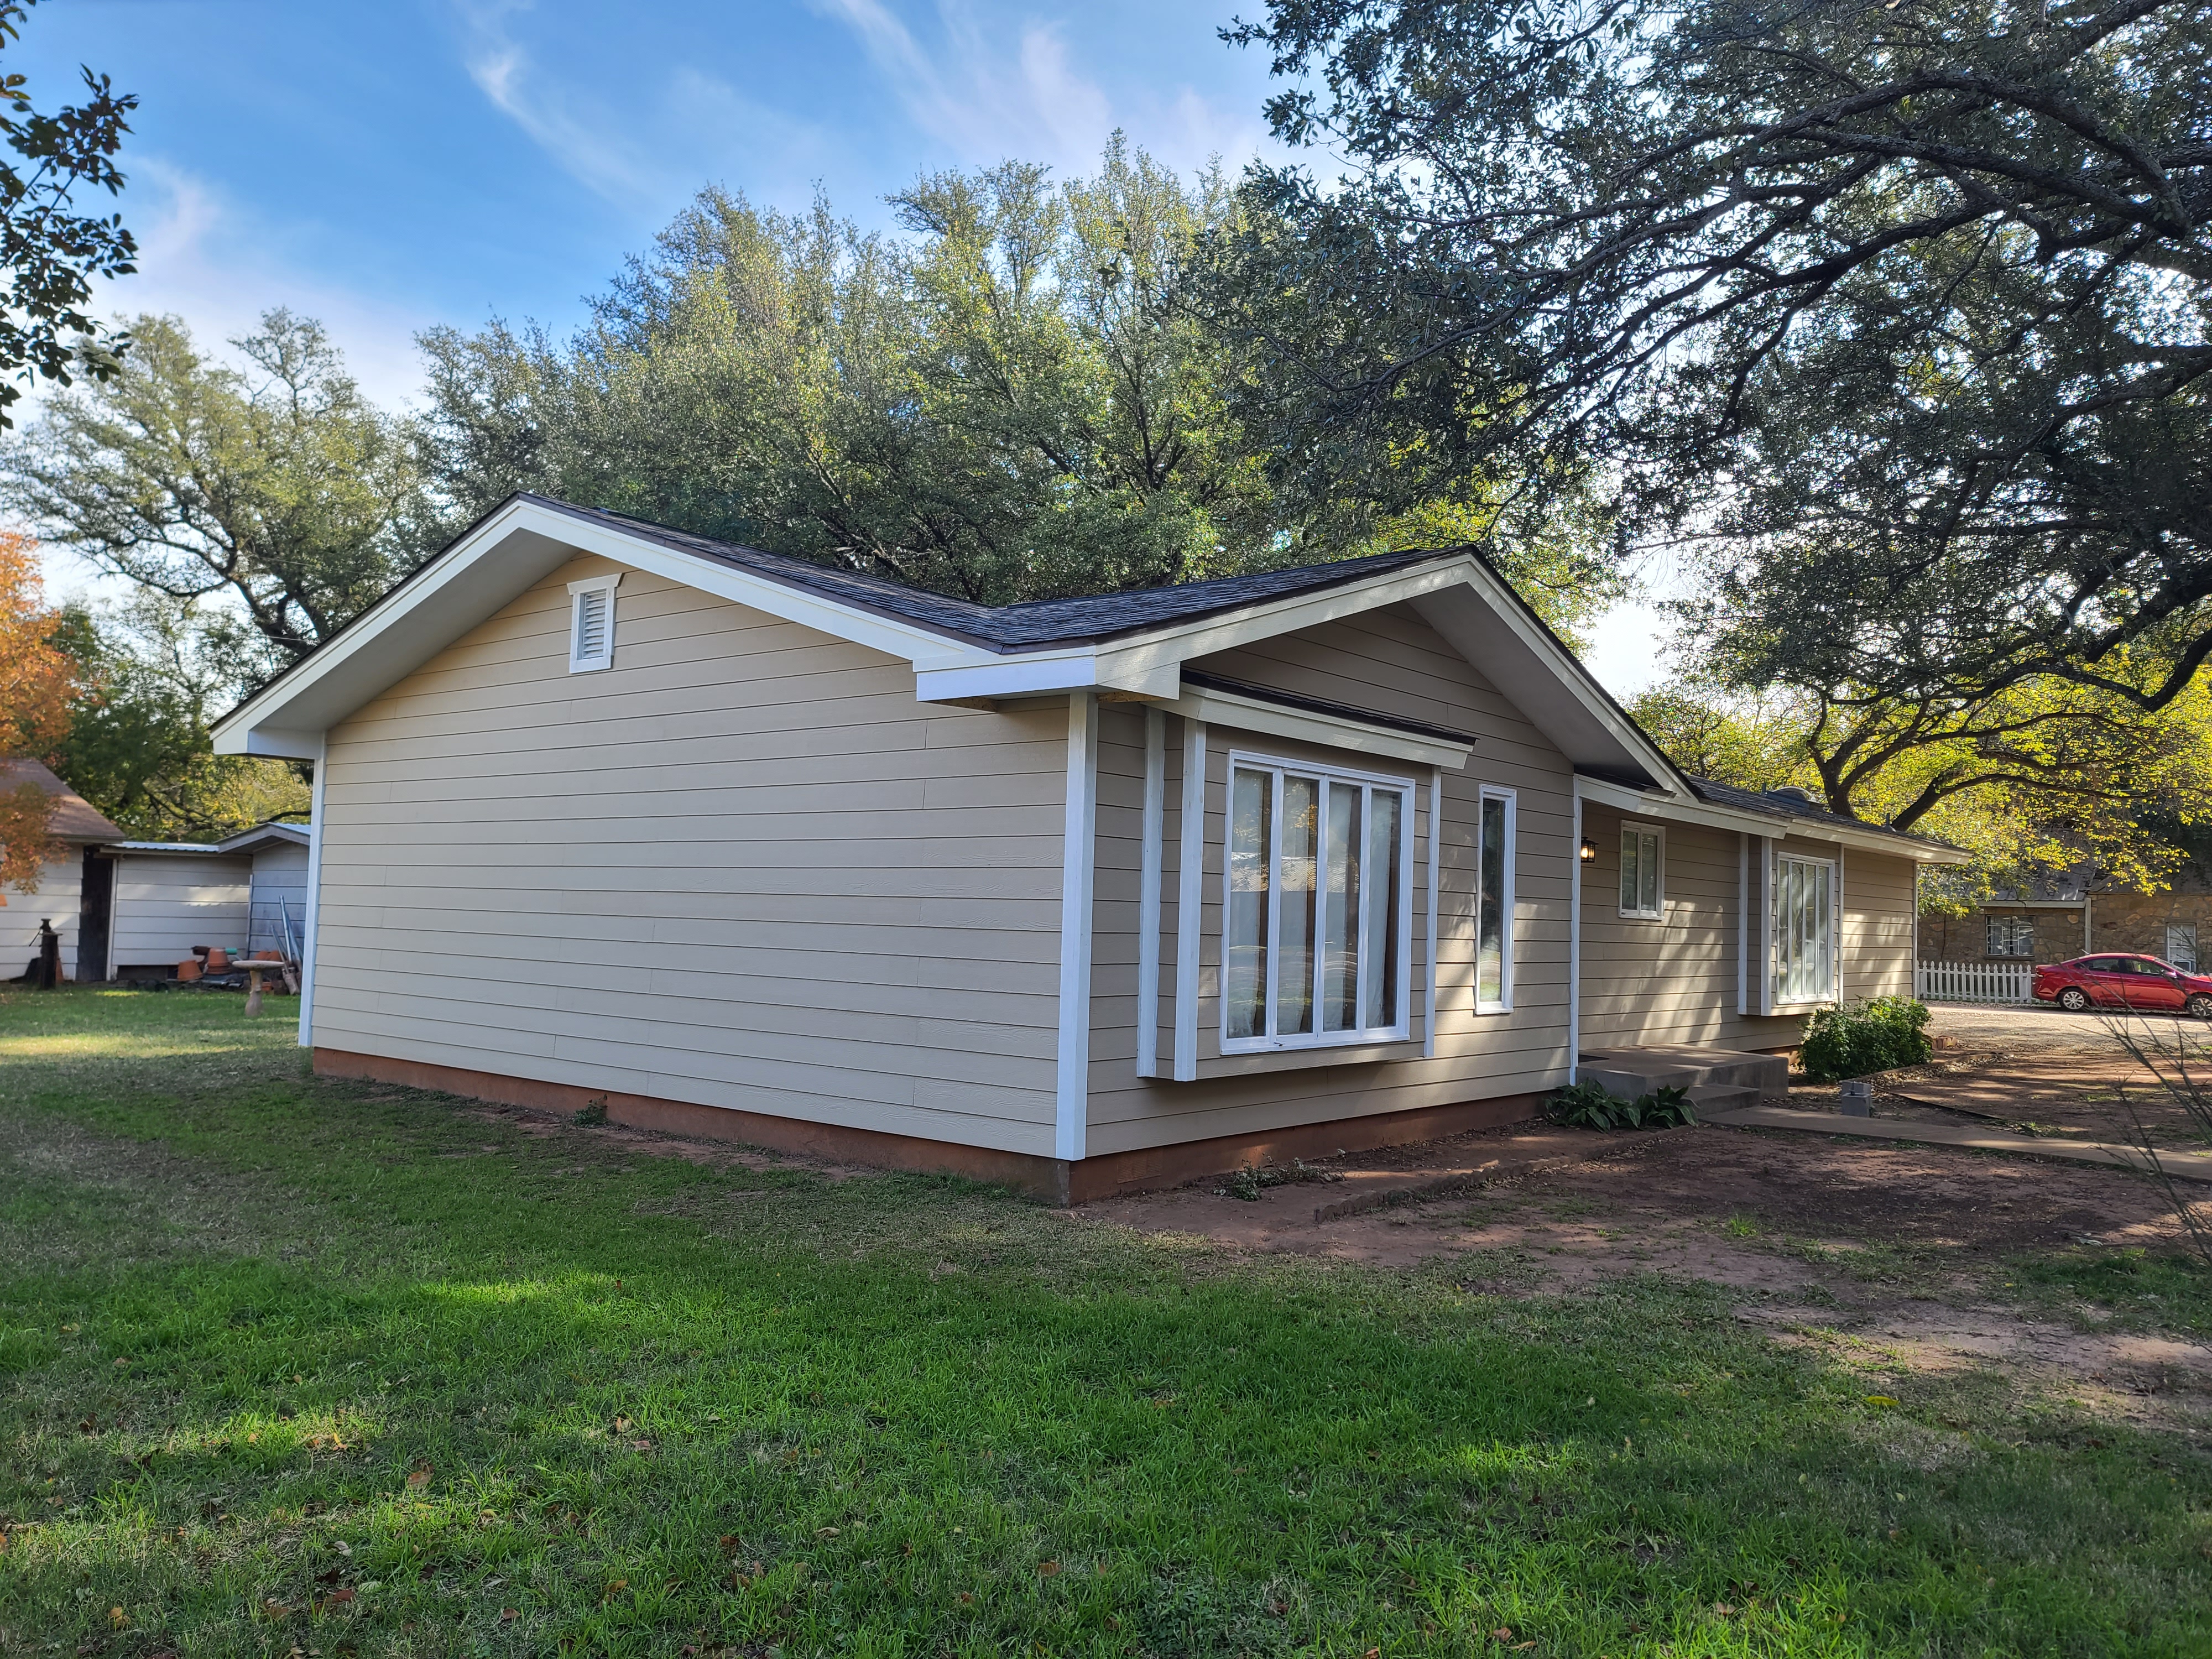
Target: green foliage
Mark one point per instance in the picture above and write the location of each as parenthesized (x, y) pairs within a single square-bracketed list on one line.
[(1859, 1038), (277, 486), (377, 1340), (1902, 307), (151, 682), (50, 251), (591, 1113), (1588, 1106), (1008, 397)]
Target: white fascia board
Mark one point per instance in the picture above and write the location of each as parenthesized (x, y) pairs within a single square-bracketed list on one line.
[(1673, 808), (503, 557), (1028, 675), (1309, 726)]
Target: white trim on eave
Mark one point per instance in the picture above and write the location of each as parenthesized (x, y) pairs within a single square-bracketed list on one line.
[(1675, 808)]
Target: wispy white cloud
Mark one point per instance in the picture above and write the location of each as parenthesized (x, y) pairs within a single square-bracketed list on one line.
[(577, 130), (207, 259), (987, 102)]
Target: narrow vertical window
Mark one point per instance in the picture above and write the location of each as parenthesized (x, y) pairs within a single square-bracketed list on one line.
[(1641, 889), (1299, 886), (592, 623), (1245, 954), (1378, 941), (1313, 929), (1493, 940), (1339, 961)]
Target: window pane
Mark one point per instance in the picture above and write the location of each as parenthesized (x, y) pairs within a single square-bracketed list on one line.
[(1490, 907), (1628, 869), (1294, 951), (1647, 873), (1339, 937), (1244, 944), (1379, 938)]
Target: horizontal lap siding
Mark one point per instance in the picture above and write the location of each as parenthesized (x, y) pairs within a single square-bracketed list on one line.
[(1673, 981), (165, 906), (58, 898), (1877, 933), (1391, 662), (743, 867)]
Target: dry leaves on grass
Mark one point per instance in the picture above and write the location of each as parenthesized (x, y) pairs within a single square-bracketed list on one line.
[(418, 1477)]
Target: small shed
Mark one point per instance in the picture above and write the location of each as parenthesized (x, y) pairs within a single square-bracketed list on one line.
[(247, 894)]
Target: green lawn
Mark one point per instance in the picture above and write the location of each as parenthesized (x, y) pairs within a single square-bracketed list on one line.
[(290, 1367)]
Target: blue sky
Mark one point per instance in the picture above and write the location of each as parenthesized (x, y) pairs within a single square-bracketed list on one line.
[(389, 166)]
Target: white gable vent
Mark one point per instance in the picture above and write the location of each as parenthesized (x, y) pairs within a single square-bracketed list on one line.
[(592, 623)]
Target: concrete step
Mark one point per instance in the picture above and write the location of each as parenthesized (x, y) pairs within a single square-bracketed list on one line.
[(1630, 1072), (1711, 1097)]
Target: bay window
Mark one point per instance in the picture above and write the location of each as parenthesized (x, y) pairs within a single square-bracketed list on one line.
[(1316, 943)]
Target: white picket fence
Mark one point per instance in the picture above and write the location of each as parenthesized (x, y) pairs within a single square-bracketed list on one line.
[(1973, 981)]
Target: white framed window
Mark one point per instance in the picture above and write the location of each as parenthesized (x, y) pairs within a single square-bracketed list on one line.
[(2181, 945), (1642, 870), (1493, 902), (2011, 936), (1804, 929), (592, 623), (1317, 947)]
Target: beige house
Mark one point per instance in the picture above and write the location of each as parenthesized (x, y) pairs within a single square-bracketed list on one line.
[(1083, 894)]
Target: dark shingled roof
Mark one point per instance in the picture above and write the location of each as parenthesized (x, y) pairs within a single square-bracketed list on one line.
[(1034, 625), (1790, 807)]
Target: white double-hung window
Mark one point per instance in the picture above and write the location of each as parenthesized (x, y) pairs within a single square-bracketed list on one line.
[(1804, 930), (1317, 948)]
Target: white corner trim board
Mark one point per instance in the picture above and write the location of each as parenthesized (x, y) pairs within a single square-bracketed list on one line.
[(1190, 890), (1574, 945), (1436, 852), (1148, 894), (313, 934), (1078, 862)]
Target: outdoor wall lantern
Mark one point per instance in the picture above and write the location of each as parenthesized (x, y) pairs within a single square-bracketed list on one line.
[(1589, 850)]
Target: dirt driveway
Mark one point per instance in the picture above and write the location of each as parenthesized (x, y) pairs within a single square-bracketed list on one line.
[(1895, 1254)]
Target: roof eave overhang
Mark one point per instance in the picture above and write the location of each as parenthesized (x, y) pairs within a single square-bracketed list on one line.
[(1673, 808), (1457, 594)]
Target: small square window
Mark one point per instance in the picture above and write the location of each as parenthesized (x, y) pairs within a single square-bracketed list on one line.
[(2181, 945), (1643, 888), (2012, 936), (592, 623)]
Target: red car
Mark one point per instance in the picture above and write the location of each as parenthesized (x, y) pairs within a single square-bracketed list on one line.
[(2142, 983)]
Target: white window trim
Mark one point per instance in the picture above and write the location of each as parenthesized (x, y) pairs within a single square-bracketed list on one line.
[(576, 590), (1366, 1036), (1503, 1005), (1779, 1002), (1644, 827)]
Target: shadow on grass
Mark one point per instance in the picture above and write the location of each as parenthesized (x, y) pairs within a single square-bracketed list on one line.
[(402, 1379)]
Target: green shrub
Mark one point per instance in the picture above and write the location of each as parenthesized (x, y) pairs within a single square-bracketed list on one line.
[(1857, 1038), (1587, 1106)]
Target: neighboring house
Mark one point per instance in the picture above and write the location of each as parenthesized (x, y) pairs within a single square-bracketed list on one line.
[(72, 891), (1085, 895), (246, 893), (2070, 915), (134, 910)]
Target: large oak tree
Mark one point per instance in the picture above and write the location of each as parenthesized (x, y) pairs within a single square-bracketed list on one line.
[(1898, 308)]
